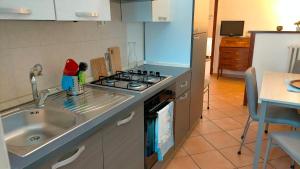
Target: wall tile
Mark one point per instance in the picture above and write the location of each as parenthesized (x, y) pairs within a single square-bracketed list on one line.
[(50, 43)]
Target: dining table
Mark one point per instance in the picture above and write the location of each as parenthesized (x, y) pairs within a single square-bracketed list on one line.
[(275, 90)]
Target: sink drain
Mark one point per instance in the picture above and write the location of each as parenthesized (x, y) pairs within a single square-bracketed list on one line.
[(34, 139)]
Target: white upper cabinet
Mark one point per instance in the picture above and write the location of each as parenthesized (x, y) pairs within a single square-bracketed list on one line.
[(27, 9), (146, 11), (82, 10)]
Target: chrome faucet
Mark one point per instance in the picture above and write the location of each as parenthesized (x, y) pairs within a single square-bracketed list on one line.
[(39, 98)]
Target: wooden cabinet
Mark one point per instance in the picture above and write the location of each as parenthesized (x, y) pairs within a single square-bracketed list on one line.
[(91, 10), (27, 9), (123, 141), (182, 111), (146, 11), (87, 154), (234, 54)]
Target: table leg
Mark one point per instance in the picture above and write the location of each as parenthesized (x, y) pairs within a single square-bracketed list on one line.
[(260, 134)]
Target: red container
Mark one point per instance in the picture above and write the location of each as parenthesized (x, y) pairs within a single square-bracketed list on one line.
[(71, 68)]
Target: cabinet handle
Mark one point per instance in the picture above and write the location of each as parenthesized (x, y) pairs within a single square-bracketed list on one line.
[(162, 18), (20, 11), (127, 120), (184, 84), (69, 160), (183, 97), (87, 14)]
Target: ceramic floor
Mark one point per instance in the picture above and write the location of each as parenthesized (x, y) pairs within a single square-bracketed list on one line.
[(215, 141)]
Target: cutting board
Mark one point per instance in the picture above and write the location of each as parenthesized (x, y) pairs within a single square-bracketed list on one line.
[(99, 67), (115, 58)]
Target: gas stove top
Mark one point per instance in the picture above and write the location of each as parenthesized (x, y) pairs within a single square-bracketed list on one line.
[(131, 80)]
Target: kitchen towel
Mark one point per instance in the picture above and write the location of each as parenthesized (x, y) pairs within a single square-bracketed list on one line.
[(164, 131)]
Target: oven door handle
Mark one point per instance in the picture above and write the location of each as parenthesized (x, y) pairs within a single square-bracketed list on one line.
[(161, 105)]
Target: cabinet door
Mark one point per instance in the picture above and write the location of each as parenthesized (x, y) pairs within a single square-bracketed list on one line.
[(85, 155), (161, 11), (197, 81), (27, 9), (123, 141), (78, 10), (182, 112)]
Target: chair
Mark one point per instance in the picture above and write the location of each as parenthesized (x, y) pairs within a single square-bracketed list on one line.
[(294, 64), (274, 115), (288, 142)]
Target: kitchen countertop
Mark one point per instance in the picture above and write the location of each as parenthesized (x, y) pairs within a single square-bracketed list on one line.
[(139, 98)]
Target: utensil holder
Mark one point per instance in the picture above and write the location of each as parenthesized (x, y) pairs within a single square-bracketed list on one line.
[(77, 89)]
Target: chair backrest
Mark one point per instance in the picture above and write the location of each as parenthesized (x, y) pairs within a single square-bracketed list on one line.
[(252, 94), (294, 65)]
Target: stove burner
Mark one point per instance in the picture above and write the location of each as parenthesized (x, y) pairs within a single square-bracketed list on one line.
[(136, 86), (152, 79), (109, 82)]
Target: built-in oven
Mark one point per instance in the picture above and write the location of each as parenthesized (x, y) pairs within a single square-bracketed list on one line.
[(152, 106)]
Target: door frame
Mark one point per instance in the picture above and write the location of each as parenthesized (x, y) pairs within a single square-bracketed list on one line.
[(216, 5)]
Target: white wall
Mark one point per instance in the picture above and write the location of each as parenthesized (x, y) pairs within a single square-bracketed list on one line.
[(258, 15), (201, 7), (50, 43), (271, 53)]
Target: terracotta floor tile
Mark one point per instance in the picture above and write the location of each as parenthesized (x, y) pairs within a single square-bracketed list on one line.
[(241, 119), (196, 145), (221, 140), (227, 124), (181, 153), (214, 114), (212, 160), (276, 128), (182, 163), (260, 166), (275, 152), (207, 127), (246, 158), (195, 133), (250, 137), (282, 163), (234, 111)]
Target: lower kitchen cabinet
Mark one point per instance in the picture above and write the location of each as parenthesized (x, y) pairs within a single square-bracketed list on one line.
[(85, 155), (182, 111), (123, 141)]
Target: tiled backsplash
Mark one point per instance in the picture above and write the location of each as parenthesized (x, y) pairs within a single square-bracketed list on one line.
[(50, 43)]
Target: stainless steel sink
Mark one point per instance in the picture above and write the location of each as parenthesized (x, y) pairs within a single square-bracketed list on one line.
[(26, 130)]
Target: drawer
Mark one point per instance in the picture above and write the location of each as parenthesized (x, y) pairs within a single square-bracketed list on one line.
[(182, 117), (183, 83), (87, 155), (236, 67), (123, 141)]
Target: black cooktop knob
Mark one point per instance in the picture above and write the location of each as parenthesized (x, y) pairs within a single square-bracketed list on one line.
[(145, 72), (158, 74), (139, 72), (152, 73)]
